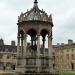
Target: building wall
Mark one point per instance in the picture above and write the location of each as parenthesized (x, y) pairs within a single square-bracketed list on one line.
[(7, 55), (7, 60), (65, 57)]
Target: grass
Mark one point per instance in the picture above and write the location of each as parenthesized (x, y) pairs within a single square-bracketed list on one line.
[(67, 73)]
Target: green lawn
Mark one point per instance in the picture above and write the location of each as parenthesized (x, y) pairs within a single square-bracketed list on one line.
[(67, 73)]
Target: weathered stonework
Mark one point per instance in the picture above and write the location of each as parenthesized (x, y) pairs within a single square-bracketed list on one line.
[(35, 23)]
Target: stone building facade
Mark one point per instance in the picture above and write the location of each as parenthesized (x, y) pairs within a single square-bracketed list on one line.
[(7, 57), (64, 56)]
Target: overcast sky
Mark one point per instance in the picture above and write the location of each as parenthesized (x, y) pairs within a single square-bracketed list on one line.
[(63, 12)]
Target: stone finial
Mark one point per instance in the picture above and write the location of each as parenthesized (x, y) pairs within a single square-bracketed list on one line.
[(35, 1), (50, 18), (1, 41)]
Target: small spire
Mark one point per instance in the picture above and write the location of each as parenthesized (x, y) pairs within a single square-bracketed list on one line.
[(35, 1)]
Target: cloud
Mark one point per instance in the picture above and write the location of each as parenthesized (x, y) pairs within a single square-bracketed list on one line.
[(66, 26), (63, 17)]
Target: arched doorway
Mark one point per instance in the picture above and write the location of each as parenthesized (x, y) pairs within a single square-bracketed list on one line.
[(72, 66)]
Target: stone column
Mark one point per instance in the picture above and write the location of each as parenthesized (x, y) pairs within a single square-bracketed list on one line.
[(50, 50), (21, 46), (18, 51), (43, 42), (18, 46), (43, 45), (38, 62), (24, 51)]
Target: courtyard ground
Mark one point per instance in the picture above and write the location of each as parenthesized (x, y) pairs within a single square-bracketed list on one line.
[(67, 73)]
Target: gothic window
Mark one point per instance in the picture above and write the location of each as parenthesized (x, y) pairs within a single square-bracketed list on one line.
[(67, 56), (8, 56), (72, 56)]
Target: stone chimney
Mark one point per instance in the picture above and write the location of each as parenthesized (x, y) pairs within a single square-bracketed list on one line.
[(1, 42), (62, 43), (58, 44), (13, 43), (70, 41)]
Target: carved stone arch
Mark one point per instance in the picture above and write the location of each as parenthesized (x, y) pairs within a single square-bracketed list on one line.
[(44, 32), (32, 32)]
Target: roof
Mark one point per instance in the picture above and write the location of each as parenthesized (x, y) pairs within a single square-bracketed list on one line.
[(68, 46), (8, 48), (35, 14)]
